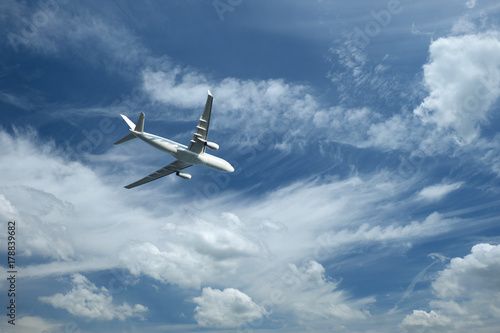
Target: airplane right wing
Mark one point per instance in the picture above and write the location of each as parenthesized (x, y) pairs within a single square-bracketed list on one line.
[(165, 171), (199, 140)]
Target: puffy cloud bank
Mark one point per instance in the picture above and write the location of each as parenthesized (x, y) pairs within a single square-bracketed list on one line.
[(228, 308), (467, 295), (463, 80), (87, 300)]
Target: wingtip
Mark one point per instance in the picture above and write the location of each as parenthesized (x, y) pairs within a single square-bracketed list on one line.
[(210, 94)]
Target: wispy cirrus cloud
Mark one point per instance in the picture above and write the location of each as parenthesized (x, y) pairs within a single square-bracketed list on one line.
[(253, 242), (439, 191), (309, 297)]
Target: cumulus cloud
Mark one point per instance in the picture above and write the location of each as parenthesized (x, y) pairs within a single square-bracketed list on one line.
[(178, 264), (228, 308), (303, 291), (439, 191), (218, 242), (207, 252), (476, 272), (87, 300), (467, 295), (421, 321), (463, 80)]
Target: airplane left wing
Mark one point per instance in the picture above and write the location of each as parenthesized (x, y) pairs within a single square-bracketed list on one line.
[(165, 171), (199, 140)]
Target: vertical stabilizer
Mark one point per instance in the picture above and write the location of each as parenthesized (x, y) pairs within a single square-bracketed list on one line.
[(139, 127)]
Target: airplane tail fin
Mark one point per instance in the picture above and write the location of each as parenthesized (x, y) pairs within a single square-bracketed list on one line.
[(139, 127)]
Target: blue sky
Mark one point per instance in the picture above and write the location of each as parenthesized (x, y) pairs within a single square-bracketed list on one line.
[(365, 140)]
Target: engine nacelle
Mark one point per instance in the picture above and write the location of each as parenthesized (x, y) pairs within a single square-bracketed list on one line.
[(212, 145), (183, 175)]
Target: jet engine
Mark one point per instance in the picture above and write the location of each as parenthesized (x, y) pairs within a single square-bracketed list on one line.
[(212, 145), (183, 175)]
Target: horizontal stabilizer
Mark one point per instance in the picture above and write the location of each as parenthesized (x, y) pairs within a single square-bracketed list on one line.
[(125, 139), (129, 122)]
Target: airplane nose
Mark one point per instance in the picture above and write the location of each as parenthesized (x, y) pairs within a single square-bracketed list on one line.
[(230, 168)]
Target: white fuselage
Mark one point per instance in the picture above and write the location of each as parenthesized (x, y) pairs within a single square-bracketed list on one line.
[(182, 153)]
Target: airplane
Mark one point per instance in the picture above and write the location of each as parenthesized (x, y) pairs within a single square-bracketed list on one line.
[(185, 156)]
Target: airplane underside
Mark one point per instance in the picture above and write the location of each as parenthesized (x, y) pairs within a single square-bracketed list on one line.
[(186, 156)]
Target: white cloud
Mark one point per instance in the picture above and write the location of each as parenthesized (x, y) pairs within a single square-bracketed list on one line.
[(346, 125), (287, 112), (467, 295), (207, 252), (178, 264), (464, 26), (30, 324), (20, 102), (397, 132), (439, 191), (87, 300), (255, 241), (257, 108), (471, 4), (54, 28), (6, 207), (33, 188), (477, 271), (218, 242), (312, 297), (228, 308), (67, 230), (180, 87), (419, 277), (421, 321), (43, 215), (434, 224), (463, 79)]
